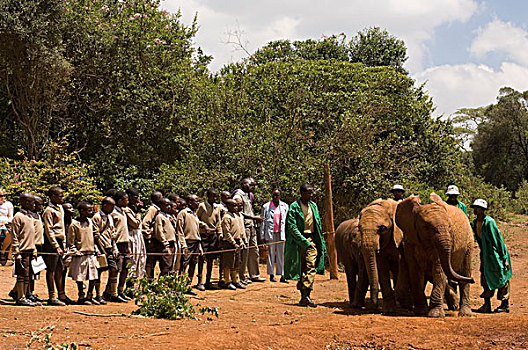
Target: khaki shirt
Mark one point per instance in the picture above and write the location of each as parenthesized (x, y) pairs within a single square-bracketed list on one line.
[(148, 220), (164, 231), (247, 208), (39, 229), (80, 238), (210, 215), (232, 227), (121, 217), (187, 226), (53, 218), (103, 226), (308, 218), (22, 231)]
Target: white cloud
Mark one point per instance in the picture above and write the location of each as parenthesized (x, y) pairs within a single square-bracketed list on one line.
[(470, 85), (412, 20), (502, 37)]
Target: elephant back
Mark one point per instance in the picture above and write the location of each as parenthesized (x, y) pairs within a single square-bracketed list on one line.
[(347, 239), (462, 234)]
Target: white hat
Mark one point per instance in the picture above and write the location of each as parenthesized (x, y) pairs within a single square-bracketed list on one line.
[(480, 203), (397, 188), (452, 190)]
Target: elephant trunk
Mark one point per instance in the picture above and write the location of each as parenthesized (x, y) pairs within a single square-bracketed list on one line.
[(369, 256), (442, 242)]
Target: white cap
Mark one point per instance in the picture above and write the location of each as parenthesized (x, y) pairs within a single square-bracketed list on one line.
[(452, 190), (397, 188), (480, 203)]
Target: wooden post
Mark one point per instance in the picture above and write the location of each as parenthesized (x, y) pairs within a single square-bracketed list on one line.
[(329, 224)]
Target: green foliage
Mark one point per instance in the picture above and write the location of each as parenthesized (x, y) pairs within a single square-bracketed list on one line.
[(521, 201), (500, 146), (43, 336), (56, 168), (165, 298)]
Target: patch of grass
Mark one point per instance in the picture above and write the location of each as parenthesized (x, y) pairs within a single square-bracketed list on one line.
[(43, 336)]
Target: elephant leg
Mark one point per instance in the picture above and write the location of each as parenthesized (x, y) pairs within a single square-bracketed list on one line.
[(417, 279), (436, 300), (351, 272), (465, 308), (362, 284), (451, 296), (403, 291), (384, 269)]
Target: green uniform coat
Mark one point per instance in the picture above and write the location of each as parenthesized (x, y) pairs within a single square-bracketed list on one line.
[(296, 240), (462, 207), (493, 253)]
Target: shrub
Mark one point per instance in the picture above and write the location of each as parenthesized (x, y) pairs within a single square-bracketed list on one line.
[(43, 336), (165, 298), (521, 202)]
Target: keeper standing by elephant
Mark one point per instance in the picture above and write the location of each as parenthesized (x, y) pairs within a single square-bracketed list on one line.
[(495, 265), (452, 194), (305, 250)]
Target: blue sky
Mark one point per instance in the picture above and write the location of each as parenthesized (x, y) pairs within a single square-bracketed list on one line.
[(464, 50)]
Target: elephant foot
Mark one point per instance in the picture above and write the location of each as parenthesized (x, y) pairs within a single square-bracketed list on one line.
[(465, 311), (357, 304), (420, 310), (389, 308), (436, 312)]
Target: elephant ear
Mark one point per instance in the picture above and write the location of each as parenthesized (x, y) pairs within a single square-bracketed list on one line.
[(397, 233), (405, 218), (438, 200)]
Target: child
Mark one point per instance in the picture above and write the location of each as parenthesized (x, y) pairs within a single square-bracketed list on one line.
[(39, 241), (163, 241), (174, 200), (188, 231), (22, 233), (232, 242), (103, 226), (6, 215), (54, 236), (239, 205), (137, 243), (209, 212), (80, 242), (121, 215)]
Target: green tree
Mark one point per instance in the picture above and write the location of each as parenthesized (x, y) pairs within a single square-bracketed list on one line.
[(33, 71)]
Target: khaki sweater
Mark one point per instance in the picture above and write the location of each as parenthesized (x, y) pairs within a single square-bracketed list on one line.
[(103, 226), (164, 231), (232, 227), (80, 237), (187, 226), (121, 217), (22, 232), (39, 229), (210, 215), (148, 220), (53, 218)]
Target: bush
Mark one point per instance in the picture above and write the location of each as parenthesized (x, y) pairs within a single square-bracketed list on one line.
[(520, 204), (165, 298), (56, 168)]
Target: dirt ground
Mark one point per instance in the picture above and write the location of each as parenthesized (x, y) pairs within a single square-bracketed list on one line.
[(265, 316)]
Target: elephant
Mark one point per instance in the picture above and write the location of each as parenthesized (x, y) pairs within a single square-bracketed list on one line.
[(438, 245), (380, 246), (347, 240)]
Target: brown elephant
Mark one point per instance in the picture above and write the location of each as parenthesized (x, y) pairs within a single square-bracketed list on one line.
[(347, 240), (380, 246), (438, 244)]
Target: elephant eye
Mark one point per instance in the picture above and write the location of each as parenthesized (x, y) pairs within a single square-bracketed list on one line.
[(382, 228)]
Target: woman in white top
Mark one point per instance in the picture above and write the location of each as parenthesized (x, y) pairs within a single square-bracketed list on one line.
[(6, 215)]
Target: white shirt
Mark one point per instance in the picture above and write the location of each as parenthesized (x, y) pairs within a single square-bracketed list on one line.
[(4, 211)]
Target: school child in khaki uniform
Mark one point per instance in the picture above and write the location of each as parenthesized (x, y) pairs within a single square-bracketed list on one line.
[(54, 237), (232, 243), (22, 233), (81, 245), (209, 212), (121, 215), (188, 231), (174, 201), (163, 241), (103, 226), (243, 238), (39, 241)]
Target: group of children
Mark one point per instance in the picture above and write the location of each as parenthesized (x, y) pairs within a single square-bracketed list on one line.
[(178, 235)]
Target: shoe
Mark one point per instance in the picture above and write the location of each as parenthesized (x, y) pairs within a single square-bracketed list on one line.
[(118, 299), (191, 292), (240, 286), (504, 307), (305, 299), (94, 301), (272, 278), (246, 281), (231, 286), (125, 297), (25, 302), (84, 302), (13, 295), (283, 280), (485, 309), (55, 302), (34, 298), (258, 279), (221, 285), (100, 300), (210, 286), (200, 287), (67, 301)]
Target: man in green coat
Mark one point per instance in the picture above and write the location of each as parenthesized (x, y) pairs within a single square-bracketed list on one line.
[(305, 250), (452, 194), (495, 265)]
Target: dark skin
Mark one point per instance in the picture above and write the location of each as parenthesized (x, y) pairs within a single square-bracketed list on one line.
[(398, 194), (85, 213), (275, 197), (123, 202), (57, 197), (193, 202), (232, 207), (108, 207), (224, 196), (248, 186), (38, 204), (452, 199), (480, 213), (135, 203), (27, 201), (238, 209), (306, 197), (69, 212)]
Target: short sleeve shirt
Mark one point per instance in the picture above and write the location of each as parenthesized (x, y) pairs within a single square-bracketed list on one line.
[(308, 218), (4, 208)]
